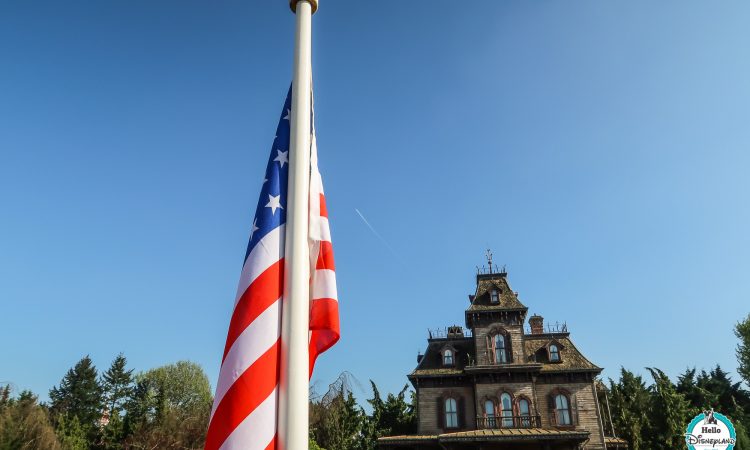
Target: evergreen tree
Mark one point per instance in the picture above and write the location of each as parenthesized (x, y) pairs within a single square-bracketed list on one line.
[(112, 434), (117, 389), (72, 435), (670, 412), (394, 416), (630, 406), (139, 409), (336, 421), (78, 395), (742, 331), (117, 384), (340, 426), (696, 394), (729, 396)]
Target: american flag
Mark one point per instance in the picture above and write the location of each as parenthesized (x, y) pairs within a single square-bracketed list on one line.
[(244, 414)]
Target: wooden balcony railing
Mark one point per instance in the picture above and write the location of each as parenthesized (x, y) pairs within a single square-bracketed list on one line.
[(494, 422)]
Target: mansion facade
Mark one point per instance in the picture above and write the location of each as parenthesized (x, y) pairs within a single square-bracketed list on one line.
[(497, 385)]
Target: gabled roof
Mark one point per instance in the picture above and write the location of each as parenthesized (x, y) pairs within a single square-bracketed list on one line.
[(508, 300)]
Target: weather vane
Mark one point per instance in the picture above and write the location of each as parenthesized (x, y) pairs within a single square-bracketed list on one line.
[(489, 258)]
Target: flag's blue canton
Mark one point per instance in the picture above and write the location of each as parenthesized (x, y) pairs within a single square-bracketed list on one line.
[(271, 210)]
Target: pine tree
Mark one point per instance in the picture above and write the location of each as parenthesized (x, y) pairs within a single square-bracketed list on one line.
[(629, 400), (670, 412), (72, 435), (394, 416), (112, 434), (696, 393), (742, 331), (117, 384), (79, 397)]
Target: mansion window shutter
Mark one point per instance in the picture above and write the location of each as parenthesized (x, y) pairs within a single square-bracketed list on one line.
[(491, 349), (441, 412), (461, 413), (508, 348)]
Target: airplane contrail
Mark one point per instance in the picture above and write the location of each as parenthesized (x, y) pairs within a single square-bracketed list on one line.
[(382, 239)]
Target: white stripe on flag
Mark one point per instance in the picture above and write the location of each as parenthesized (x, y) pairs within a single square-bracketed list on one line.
[(254, 341), (324, 284), (257, 430), (266, 252)]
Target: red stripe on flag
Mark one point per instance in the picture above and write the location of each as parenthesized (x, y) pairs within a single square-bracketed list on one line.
[(325, 257), (261, 293), (272, 444), (247, 392), (324, 326), (324, 314), (323, 208)]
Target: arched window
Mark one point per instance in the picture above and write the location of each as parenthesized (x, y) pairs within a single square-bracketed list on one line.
[(507, 409), (525, 412), (448, 357), (501, 353), (562, 410), (554, 353), (494, 296), (489, 411), (451, 413)]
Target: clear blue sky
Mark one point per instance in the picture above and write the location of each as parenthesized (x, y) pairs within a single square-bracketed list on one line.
[(601, 149)]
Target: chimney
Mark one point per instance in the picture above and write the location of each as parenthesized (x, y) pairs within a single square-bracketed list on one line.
[(537, 324), (455, 332)]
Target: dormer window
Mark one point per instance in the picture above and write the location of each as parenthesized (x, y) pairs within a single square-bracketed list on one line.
[(494, 296), (448, 357), (554, 353)]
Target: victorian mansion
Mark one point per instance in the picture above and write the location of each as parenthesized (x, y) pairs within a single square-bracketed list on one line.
[(497, 385)]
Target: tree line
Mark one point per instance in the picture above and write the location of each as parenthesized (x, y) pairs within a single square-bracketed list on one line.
[(169, 407), (655, 416), (163, 408)]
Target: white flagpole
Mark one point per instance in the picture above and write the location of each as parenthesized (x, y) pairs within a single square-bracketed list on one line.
[(294, 380)]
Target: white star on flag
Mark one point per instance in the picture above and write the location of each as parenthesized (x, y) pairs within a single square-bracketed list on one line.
[(288, 115), (274, 203), (282, 157), (255, 227)]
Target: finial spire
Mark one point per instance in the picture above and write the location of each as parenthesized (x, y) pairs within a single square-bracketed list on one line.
[(488, 253)]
